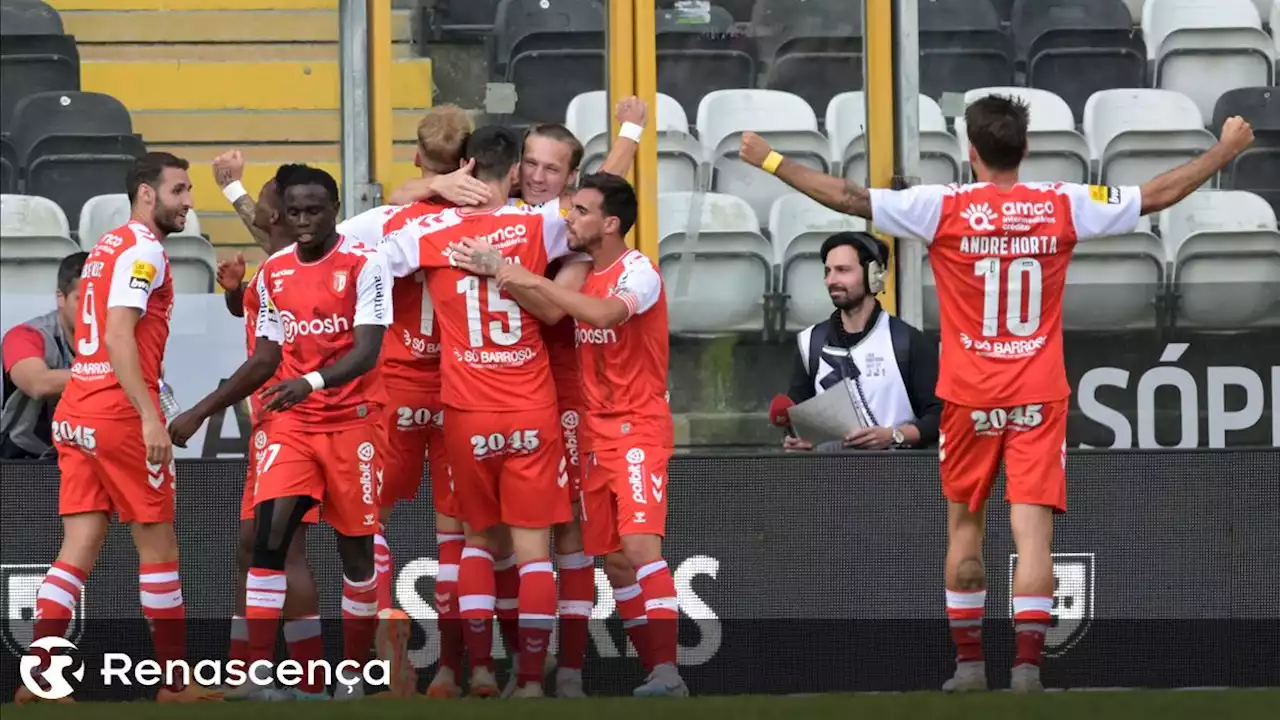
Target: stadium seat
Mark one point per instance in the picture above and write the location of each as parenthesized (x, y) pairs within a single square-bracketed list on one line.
[(940, 156), (716, 266), (1226, 254), (786, 121), (816, 49), (695, 58), (456, 19), (1256, 169), (1057, 151), (740, 10), (962, 46), (8, 166), (1114, 283), (191, 256), (1204, 49), (546, 81), (28, 17), (680, 162), (67, 113), (535, 25), (1075, 48), (34, 237), (1135, 10), (798, 227), (1138, 134), (36, 63), (70, 169)]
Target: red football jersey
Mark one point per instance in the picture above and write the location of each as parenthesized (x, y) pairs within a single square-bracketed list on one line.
[(563, 356), (127, 268), (492, 354), (252, 307), (999, 259), (411, 350), (624, 368), (311, 309)]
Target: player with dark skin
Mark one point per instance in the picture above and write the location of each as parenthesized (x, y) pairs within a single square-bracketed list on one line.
[(312, 217)]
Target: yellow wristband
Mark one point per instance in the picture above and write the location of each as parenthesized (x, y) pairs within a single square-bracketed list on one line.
[(771, 162)]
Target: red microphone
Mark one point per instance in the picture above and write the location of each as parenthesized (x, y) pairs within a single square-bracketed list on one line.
[(780, 413)]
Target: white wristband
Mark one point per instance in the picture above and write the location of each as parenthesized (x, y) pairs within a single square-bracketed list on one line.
[(315, 380), (631, 131), (234, 191)]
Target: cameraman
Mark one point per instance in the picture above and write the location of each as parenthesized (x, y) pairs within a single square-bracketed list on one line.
[(892, 367)]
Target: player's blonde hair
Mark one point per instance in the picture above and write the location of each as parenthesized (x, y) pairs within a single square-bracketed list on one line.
[(442, 132)]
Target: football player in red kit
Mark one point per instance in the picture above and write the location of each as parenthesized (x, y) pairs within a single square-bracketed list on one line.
[(622, 338), (114, 454), (324, 307), (999, 251)]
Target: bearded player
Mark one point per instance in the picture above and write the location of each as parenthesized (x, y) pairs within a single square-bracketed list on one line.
[(999, 250), (502, 429), (548, 167), (622, 337), (414, 421), (265, 221), (324, 308), (114, 454)]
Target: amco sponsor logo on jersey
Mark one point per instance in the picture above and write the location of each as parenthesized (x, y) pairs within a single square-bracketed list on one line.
[(332, 325), (594, 336)]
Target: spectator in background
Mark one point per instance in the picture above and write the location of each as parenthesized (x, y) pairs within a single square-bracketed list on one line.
[(890, 366), (37, 365)]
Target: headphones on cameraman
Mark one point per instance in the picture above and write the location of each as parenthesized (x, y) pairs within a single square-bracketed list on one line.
[(876, 269)]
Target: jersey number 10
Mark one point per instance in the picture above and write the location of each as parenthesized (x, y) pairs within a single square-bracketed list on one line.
[(1023, 275)]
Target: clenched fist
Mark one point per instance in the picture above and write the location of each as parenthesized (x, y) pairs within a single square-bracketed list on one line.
[(754, 149), (1236, 134), (632, 109), (228, 168)]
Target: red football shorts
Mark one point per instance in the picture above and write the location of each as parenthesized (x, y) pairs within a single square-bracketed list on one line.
[(1032, 440), (104, 468), (624, 492), (258, 443), (342, 469), (415, 434), (506, 468), (570, 419)]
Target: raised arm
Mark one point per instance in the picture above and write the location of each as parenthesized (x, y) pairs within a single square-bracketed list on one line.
[(632, 114), (228, 171), (838, 194), (1171, 187)]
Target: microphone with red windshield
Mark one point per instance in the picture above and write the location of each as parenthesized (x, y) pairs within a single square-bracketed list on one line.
[(780, 413)]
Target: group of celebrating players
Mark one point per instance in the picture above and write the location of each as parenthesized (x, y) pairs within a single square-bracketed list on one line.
[(496, 326)]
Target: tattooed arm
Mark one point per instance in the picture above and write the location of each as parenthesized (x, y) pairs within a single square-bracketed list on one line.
[(228, 168), (836, 193)]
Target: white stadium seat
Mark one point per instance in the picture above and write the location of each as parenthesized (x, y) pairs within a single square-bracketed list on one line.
[(34, 237), (716, 265), (1138, 134), (192, 257), (1203, 48), (846, 123), (1057, 152), (680, 160), (1113, 283), (798, 227), (1226, 254), (784, 120)]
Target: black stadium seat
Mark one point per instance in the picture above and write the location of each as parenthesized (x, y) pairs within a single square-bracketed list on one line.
[(1075, 48), (1004, 9), (36, 63), (523, 26), (71, 169), (815, 49), (450, 19), (67, 113), (8, 166), (1256, 169), (695, 58), (547, 80), (29, 17), (962, 46)]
